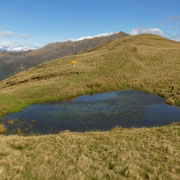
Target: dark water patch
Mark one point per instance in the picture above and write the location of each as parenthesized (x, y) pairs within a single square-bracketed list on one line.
[(94, 112)]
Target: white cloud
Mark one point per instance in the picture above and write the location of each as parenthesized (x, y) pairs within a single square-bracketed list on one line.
[(15, 46), (91, 37), (6, 34), (144, 30), (176, 37), (25, 36), (174, 19)]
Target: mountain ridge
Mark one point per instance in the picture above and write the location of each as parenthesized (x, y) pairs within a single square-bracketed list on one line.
[(14, 62)]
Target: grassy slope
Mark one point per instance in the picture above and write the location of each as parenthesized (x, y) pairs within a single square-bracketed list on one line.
[(147, 153), (146, 62), (13, 62)]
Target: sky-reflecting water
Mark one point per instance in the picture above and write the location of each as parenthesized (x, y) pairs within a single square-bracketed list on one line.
[(94, 112)]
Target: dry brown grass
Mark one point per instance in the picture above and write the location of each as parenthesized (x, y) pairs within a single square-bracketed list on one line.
[(170, 101), (2, 129), (145, 153)]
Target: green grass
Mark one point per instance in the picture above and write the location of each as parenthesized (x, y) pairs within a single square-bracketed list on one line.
[(144, 62), (145, 153)]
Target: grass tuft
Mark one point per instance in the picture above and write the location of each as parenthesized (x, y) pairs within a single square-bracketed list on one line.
[(3, 129), (170, 101)]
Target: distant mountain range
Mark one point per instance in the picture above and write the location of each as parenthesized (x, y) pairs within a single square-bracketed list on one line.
[(14, 62), (3, 50)]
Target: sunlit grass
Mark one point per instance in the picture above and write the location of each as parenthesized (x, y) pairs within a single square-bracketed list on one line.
[(2, 129), (144, 153)]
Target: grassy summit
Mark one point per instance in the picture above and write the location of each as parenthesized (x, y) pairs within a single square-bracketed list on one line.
[(145, 62)]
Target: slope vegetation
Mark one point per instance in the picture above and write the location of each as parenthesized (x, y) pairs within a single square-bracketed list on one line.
[(145, 62), (14, 62)]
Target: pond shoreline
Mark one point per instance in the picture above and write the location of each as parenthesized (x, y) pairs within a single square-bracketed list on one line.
[(95, 112), (68, 97)]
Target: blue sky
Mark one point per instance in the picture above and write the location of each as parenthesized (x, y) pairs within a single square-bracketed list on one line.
[(33, 23)]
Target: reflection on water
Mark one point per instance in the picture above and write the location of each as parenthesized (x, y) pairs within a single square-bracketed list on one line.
[(94, 112)]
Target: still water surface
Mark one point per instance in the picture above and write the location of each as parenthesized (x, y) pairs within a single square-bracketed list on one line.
[(94, 112)]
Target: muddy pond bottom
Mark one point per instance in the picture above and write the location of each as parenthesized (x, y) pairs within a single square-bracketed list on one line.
[(93, 112)]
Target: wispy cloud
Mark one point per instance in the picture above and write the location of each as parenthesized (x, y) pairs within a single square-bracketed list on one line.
[(144, 30), (174, 19), (25, 36), (7, 34), (15, 46)]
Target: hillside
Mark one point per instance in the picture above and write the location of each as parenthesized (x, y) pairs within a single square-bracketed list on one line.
[(145, 62), (14, 62)]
